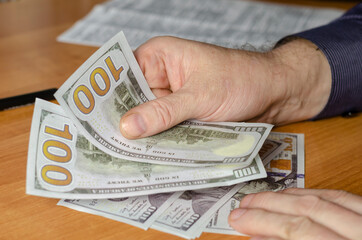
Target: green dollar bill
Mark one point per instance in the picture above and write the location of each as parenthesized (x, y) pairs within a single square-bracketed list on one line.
[(63, 163)]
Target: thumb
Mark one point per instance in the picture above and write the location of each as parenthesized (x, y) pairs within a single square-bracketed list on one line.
[(157, 115)]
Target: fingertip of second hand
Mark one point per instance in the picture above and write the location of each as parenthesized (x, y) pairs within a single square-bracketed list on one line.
[(236, 214), (246, 200)]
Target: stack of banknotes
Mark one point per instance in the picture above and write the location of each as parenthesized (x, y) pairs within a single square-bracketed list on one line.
[(183, 181)]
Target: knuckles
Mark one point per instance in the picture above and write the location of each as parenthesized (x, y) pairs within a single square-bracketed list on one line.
[(338, 195), (297, 227), (308, 204)]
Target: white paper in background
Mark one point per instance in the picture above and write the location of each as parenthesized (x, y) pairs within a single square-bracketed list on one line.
[(230, 23)]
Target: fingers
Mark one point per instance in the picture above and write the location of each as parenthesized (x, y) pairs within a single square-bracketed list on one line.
[(162, 73), (153, 67), (157, 115), (258, 222), (318, 210), (160, 60), (161, 92), (342, 198)]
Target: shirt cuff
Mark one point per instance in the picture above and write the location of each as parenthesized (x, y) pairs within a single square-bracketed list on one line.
[(340, 41)]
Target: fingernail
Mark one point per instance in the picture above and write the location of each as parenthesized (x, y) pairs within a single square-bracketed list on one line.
[(246, 200), (133, 125), (236, 214)]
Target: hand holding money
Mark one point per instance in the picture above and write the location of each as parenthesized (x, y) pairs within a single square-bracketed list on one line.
[(110, 83), (76, 150), (194, 80)]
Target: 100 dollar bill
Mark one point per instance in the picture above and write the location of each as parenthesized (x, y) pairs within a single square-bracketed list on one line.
[(189, 214), (62, 163), (270, 149), (110, 83), (139, 211)]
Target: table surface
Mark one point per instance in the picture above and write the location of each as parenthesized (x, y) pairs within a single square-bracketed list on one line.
[(31, 59)]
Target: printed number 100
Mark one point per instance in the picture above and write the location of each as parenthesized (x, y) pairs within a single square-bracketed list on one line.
[(48, 150)]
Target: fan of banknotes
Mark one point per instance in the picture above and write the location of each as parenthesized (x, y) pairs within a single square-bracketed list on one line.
[(183, 181)]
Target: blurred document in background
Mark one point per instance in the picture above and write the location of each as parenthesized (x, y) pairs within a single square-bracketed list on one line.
[(252, 26)]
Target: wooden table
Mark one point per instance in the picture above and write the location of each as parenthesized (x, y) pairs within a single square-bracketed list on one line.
[(31, 59)]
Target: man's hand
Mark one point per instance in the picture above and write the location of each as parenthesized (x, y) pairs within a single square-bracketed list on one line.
[(299, 214), (194, 80)]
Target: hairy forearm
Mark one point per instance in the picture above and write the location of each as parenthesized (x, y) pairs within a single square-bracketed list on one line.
[(298, 80)]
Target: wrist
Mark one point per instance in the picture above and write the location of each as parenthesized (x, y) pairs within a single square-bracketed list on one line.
[(252, 70), (303, 75)]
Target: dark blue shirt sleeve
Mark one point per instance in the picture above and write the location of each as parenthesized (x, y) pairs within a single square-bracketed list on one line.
[(341, 43)]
